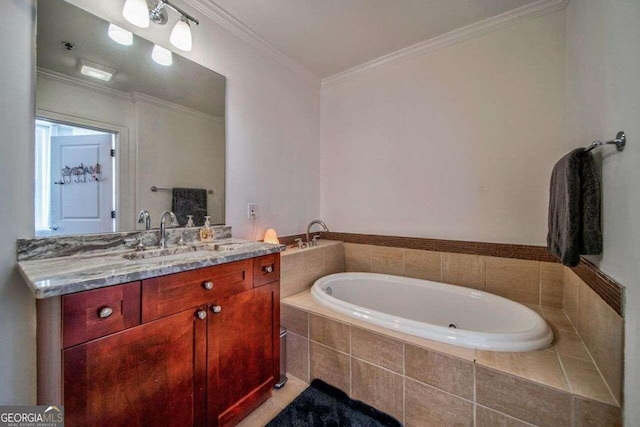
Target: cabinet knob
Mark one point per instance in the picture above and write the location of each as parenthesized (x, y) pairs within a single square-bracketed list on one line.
[(105, 312), (208, 285), (201, 314), (268, 269), (216, 309)]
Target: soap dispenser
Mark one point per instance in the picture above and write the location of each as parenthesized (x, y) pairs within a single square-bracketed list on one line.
[(206, 233)]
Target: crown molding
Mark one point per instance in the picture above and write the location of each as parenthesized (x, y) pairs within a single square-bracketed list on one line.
[(147, 99), (124, 96), (230, 23), (524, 13), (82, 84)]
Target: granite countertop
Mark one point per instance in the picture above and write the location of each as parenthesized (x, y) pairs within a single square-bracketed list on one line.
[(69, 274)]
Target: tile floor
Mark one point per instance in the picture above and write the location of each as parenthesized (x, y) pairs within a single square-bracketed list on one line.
[(278, 401)]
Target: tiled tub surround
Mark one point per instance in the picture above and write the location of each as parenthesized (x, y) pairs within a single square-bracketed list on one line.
[(548, 287), (609, 290), (425, 383), (299, 268)]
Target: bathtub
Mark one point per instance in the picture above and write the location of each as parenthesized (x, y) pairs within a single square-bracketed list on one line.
[(446, 313)]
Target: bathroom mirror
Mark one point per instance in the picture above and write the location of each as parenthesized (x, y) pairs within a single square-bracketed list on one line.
[(102, 145)]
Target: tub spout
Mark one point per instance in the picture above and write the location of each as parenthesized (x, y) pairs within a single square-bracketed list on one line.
[(311, 224)]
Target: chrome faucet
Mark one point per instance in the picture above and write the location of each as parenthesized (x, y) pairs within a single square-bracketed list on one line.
[(315, 221), (174, 223), (144, 216)]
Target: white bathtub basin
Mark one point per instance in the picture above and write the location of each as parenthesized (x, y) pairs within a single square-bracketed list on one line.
[(451, 314)]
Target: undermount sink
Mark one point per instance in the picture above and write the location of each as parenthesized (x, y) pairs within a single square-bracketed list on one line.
[(178, 252), (225, 247)]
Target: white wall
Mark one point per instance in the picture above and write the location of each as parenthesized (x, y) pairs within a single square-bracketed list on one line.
[(178, 149), (458, 143), (272, 132), (17, 306), (603, 97)]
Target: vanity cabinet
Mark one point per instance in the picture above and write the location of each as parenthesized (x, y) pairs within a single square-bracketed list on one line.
[(192, 348)]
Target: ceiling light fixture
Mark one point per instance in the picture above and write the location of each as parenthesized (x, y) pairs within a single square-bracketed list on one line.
[(120, 35), (161, 55), (96, 71), (136, 12), (181, 33)]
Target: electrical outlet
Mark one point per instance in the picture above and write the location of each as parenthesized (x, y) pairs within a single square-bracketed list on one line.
[(252, 210)]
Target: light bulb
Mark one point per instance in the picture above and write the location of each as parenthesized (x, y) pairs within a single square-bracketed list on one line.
[(181, 35), (120, 35), (161, 55), (136, 12)]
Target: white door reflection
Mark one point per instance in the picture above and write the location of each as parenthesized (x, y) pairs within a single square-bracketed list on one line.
[(75, 185)]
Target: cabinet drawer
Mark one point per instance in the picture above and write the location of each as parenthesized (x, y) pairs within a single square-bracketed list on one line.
[(266, 269), (93, 314), (162, 296)]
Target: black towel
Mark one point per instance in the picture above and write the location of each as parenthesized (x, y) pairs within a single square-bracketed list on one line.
[(574, 208), (190, 201)]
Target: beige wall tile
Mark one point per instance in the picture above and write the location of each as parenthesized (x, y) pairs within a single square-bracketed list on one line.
[(516, 279), (387, 260), (330, 366), (464, 270), (557, 319), (291, 285), (585, 380), (570, 295), (551, 284), (426, 406), (312, 265), (334, 259), (426, 265), (298, 356), (539, 366), (291, 275), (468, 354), (522, 399), (378, 387), (290, 263), (596, 414), (486, 417), (586, 315), (296, 321), (330, 333), (569, 344), (439, 370), (357, 257), (609, 345), (378, 349)]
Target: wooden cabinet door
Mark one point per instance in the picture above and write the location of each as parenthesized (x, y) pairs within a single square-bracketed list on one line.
[(150, 375), (243, 353)]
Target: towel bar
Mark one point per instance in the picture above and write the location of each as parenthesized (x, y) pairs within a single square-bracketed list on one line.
[(620, 141), (156, 189)]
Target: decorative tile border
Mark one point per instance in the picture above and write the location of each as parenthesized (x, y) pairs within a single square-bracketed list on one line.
[(502, 250), (610, 291)]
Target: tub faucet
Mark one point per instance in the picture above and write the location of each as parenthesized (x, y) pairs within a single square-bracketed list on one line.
[(315, 221), (144, 216), (174, 223)]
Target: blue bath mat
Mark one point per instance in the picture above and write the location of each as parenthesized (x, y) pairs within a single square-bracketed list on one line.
[(322, 405)]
